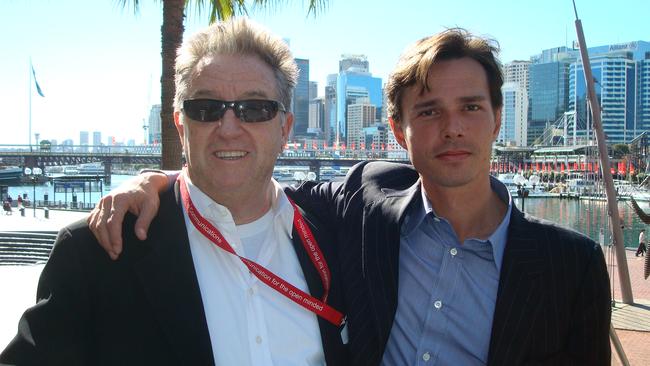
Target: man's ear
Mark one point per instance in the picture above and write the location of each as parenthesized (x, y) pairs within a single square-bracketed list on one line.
[(286, 129), (497, 123), (398, 131), (179, 126)]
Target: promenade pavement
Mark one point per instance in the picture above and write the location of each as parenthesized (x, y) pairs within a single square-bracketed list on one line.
[(631, 322), (18, 286), (36, 221)]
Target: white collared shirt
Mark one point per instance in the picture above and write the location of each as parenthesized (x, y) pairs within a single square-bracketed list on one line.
[(249, 322)]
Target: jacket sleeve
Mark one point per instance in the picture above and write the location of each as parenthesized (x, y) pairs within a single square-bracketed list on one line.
[(52, 332), (591, 314), (588, 333)]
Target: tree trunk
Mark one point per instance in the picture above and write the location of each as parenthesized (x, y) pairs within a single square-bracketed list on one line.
[(172, 37)]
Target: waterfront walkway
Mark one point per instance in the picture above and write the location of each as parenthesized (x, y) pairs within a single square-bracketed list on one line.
[(18, 287), (632, 322), (57, 219)]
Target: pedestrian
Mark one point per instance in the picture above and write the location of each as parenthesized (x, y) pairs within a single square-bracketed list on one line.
[(642, 247)]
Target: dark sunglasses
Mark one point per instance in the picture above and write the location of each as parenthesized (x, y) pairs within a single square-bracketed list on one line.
[(251, 110)]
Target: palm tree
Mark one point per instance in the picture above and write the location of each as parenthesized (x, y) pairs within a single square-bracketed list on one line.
[(172, 36)]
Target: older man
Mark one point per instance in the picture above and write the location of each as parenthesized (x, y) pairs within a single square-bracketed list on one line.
[(232, 273), (439, 266)]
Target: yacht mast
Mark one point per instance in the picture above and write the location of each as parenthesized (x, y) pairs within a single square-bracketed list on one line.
[(619, 246)]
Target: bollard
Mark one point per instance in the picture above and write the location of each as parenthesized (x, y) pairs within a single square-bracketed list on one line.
[(22, 211), (46, 212)]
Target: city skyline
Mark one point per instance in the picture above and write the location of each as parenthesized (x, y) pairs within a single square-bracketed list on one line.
[(100, 72)]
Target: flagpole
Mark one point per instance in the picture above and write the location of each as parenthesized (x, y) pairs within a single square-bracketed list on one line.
[(29, 140)]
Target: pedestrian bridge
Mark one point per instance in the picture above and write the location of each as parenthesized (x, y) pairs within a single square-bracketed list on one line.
[(59, 155)]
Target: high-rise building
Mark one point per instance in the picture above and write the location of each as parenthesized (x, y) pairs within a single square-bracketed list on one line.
[(354, 81), (313, 90), (516, 78), (331, 128), (361, 114), (513, 115), (154, 132), (356, 63), (67, 145), (97, 140), (616, 69), (83, 141), (394, 149), (643, 95), (376, 139), (548, 89), (316, 116), (516, 72), (300, 100)]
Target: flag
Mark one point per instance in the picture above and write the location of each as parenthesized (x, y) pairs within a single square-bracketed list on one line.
[(38, 87)]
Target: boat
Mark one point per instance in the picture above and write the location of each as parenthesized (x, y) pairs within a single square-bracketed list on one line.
[(508, 179), (71, 170), (328, 174), (626, 190), (514, 182), (283, 174), (582, 187), (10, 174), (91, 169)]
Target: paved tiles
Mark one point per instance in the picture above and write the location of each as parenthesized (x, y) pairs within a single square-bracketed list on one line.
[(632, 322)]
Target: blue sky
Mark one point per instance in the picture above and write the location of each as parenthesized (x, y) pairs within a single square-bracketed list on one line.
[(99, 65)]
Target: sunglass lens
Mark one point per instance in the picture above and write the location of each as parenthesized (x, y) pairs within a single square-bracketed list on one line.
[(257, 110), (204, 110)]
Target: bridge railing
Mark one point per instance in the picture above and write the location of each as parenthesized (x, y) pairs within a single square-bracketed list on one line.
[(83, 149), (320, 153)]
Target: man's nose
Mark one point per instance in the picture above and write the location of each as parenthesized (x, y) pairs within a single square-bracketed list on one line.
[(453, 126), (229, 124)]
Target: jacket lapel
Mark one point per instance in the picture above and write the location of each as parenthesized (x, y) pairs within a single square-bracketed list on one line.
[(382, 220), (165, 268), (519, 292)]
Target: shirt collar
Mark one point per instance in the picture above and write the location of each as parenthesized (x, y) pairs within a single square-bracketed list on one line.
[(280, 205), (497, 239)]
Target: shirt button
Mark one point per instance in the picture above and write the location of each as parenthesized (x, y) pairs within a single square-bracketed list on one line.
[(426, 356), (258, 339), (436, 219), (251, 291), (453, 251), (437, 304)]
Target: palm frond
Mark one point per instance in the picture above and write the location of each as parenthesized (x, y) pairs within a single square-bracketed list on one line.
[(314, 7), (124, 4)]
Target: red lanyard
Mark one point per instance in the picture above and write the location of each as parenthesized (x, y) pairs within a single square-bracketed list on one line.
[(319, 307)]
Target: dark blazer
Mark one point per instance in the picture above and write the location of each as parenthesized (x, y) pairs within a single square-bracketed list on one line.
[(553, 302), (143, 309)]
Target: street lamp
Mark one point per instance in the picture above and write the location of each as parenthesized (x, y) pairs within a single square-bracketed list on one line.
[(34, 174)]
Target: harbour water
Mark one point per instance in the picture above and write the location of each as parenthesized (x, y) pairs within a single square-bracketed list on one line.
[(86, 197), (588, 217)]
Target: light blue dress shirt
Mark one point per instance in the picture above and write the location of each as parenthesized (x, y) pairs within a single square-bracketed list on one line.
[(447, 290)]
